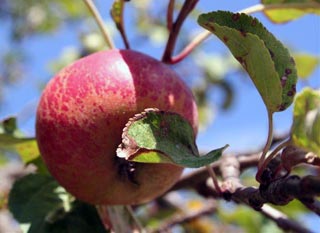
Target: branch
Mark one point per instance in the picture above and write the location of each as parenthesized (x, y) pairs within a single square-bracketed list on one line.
[(292, 156), (278, 193), (282, 220), (312, 204), (210, 208), (199, 176), (186, 9)]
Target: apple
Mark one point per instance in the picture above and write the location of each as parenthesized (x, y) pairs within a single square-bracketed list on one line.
[(81, 115)]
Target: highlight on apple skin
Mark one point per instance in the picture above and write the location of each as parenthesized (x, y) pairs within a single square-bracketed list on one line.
[(82, 113)]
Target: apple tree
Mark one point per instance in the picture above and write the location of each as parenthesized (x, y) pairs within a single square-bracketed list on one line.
[(115, 145)]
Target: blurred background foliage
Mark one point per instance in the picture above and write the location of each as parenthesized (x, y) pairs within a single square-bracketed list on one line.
[(205, 70)]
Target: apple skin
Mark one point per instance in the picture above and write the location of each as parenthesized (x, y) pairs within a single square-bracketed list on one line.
[(81, 115)]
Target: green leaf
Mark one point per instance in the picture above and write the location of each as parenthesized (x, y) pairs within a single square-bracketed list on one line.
[(27, 148), (306, 122), (11, 140), (290, 9), (155, 136), (117, 12), (306, 64), (33, 197), (266, 60), (41, 166), (40, 205), (8, 125)]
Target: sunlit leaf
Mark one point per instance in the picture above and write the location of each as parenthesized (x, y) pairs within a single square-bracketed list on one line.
[(306, 64), (266, 60), (306, 122), (11, 140), (117, 12), (162, 137), (292, 11)]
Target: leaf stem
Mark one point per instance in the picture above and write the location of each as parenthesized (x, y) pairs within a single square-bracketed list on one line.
[(250, 10), (267, 146), (135, 219), (95, 13), (214, 179)]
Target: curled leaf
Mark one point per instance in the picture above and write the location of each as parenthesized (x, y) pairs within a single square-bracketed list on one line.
[(155, 136)]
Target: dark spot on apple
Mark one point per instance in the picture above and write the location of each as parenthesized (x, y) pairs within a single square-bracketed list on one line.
[(235, 17), (225, 39)]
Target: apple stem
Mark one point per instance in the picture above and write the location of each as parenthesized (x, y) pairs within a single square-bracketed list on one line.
[(214, 179), (187, 7), (95, 13), (135, 219)]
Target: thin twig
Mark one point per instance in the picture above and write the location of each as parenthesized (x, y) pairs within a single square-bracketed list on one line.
[(186, 9), (189, 48), (250, 10), (282, 220), (271, 156), (104, 217), (95, 13), (135, 219), (170, 14), (199, 176), (210, 208), (214, 179)]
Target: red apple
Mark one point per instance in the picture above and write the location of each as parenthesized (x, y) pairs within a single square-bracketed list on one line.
[(80, 118)]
